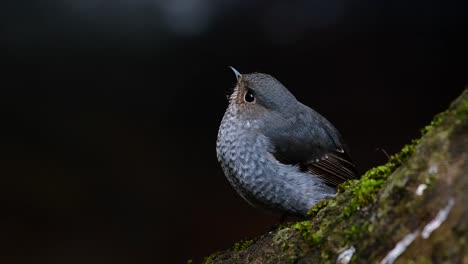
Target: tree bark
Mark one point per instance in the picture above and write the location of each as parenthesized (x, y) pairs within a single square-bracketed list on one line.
[(414, 209)]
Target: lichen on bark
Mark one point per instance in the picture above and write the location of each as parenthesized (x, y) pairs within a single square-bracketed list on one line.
[(387, 214)]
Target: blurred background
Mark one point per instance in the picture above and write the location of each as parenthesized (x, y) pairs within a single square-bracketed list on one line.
[(110, 110)]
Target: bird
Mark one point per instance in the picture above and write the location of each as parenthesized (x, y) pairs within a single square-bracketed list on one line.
[(278, 154)]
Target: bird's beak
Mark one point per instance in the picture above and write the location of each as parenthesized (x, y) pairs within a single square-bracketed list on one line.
[(238, 75)]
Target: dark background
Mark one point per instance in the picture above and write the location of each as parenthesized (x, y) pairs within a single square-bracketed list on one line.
[(110, 110)]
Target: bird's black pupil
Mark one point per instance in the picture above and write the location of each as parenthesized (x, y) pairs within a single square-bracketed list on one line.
[(249, 97)]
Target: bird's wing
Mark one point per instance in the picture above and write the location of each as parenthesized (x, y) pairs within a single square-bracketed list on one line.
[(316, 147), (333, 168)]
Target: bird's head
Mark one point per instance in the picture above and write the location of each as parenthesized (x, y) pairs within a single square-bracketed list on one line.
[(258, 93)]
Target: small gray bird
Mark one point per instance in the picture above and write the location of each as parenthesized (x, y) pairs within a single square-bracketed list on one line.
[(277, 153)]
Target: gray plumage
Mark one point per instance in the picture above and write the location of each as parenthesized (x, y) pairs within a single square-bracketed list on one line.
[(277, 153)]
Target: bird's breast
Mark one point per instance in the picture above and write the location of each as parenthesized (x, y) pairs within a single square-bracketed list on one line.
[(242, 152), (245, 156)]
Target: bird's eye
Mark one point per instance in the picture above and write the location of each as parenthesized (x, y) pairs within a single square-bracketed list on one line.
[(249, 97)]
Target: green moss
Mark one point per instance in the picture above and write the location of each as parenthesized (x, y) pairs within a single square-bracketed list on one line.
[(406, 152), (292, 259), (351, 233), (210, 259), (283, 225), (356, 230), (288, 247), (435, 122), (285, 246), (346, 185), (244, 244), (317, 207), (462, 110), (363, 195), (325, 257), (305, 229), (315, 238), (330, 230), (365, 191)]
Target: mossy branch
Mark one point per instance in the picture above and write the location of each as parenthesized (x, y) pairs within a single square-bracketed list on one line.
[(416, 201)]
